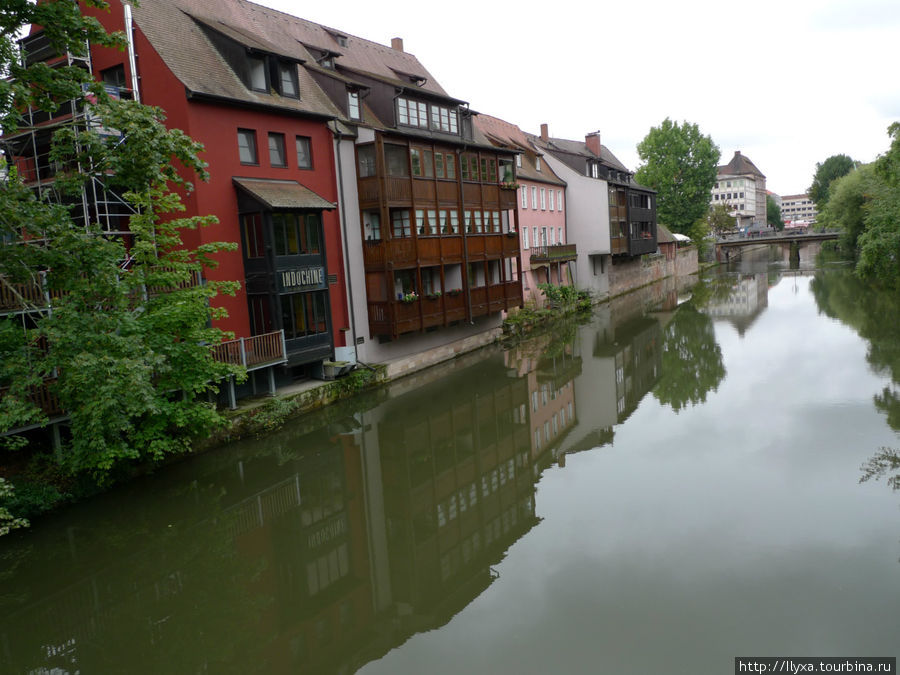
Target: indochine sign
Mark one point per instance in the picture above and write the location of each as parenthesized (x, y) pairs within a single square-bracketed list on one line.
[(301, 279)]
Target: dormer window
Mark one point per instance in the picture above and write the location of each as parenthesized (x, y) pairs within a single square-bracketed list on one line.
[(424, 115), (288, 79), (537, 163), (353, 110), (412, 113), (519, 161), (341, 40), (257, 73), (326, 60)]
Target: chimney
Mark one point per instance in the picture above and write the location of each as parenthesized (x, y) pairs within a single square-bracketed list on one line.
[(545, 133), (592, 141), (397, 43)]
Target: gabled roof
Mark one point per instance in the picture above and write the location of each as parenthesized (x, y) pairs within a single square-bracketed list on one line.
[(580, 148), (740, 166), (176, 29), (506, 135)]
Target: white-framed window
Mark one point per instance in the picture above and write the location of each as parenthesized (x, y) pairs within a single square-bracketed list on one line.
[(519, 161), (524, 197), (552, 236), (559, 236), (595, 172), (525, 238), (534, 239), (534, 198), (551, 199), (543, 236), (353, 105), (537, 163), (559, 200), (543, 199)]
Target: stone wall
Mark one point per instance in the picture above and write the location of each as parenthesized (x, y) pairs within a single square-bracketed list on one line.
[(625, 276)]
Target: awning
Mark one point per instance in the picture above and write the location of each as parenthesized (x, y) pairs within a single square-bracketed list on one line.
[(283, 194)]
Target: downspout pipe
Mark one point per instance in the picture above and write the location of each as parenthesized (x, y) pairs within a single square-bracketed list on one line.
[(343, 211), (132, 57)]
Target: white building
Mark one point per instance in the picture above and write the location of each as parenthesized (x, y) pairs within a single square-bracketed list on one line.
[(798, 209), (742, 188)]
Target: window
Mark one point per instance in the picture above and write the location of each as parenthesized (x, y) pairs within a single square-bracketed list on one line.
[(304, 314), (253, 235), (260, 314), (543, 236), (247, 146), (296, 234), (396, 158), (559, 237), (525, 198), (551, 199), (552, 236), (288, 80), (534, 198), (412, 113), (537, 163), (543, 199), (519, 161), (371, 225), (366, 158), (534, 236), (115, 76), (450, 165), (488, 170), (304, 155), (257, 73), (559, 200), (525, 238), (277, 156), (353, 105), (400, 224), (595, 173), (415, 160), (443, 119)]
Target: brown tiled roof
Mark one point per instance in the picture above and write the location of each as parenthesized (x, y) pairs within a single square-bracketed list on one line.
[(282, 194), (740, 166), (176, 28), (505, 134)]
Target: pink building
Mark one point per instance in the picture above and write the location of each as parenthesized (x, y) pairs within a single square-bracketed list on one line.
[(546, 252)]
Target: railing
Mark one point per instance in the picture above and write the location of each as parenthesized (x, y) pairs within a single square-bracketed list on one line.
[(252, 352), (21, 296), (42, 397), (556, 252)]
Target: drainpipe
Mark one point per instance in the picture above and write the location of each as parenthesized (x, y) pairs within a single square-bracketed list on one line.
[(132, 57), (347, 272)]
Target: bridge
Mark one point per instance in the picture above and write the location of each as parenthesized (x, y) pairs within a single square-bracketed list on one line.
[(725, 245)]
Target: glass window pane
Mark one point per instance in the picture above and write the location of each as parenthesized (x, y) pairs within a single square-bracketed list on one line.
[(304, 157), (312, 233), (276, 150)]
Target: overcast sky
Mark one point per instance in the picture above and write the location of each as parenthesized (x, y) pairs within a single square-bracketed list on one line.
[(787, 83)]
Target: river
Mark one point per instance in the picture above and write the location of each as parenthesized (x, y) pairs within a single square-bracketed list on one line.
[(673, 484)]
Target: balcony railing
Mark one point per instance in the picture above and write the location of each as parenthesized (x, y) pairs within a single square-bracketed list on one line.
[(42, 396), (252, 352), (554, 253)]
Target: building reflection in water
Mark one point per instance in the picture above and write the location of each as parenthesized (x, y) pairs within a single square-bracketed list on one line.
[(739, 300), (321, 548)]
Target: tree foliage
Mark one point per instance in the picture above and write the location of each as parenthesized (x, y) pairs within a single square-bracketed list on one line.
[(848, 202), (719, 219), (773, 213), (692, 363), (126, 345), (679, 163), (826, 172)]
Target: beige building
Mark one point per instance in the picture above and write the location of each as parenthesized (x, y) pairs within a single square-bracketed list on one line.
[(742, 188), (797, 209)]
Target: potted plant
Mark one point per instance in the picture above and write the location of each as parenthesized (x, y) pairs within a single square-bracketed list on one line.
[(433, 296), (409, 297), (453, 292)]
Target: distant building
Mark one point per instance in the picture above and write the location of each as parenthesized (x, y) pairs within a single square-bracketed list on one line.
[(798, 209), (742, 188)]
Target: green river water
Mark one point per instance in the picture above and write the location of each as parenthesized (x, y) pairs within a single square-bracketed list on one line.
[(659, 490)]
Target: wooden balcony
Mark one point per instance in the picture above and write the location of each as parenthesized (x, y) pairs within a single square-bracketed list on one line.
[(254, 352), (395, 317), (43, 397), (555, 253)]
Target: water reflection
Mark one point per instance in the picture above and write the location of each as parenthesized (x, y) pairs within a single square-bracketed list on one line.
[(325, 546)]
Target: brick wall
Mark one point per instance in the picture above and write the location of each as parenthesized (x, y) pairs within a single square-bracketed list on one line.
[(628, 275)]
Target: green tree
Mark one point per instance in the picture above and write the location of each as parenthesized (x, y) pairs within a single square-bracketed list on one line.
[(680, 164), (127, 340), (773, 213), (847, 204), (826, 172), (720, 220)]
